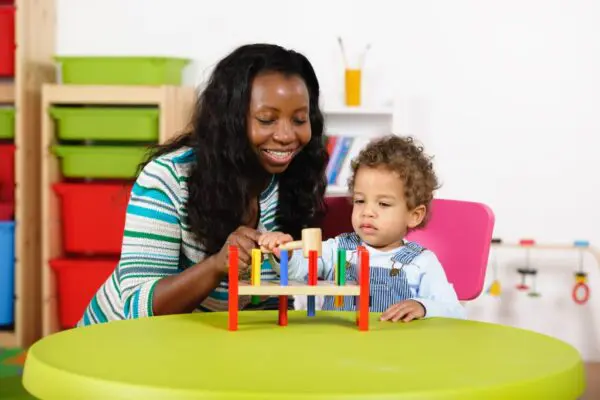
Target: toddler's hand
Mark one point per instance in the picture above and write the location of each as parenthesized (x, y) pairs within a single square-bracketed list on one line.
[(269, 241), (405, 310)]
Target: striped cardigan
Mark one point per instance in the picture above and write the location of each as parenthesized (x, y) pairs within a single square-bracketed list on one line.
[(157, 242)]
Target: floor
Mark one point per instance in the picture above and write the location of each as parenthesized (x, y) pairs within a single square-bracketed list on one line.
[(11, 367)]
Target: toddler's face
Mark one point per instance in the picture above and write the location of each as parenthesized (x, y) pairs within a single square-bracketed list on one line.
[(380, 215)]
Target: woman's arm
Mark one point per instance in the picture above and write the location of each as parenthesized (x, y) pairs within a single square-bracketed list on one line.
[(183, 292), (150, 279)]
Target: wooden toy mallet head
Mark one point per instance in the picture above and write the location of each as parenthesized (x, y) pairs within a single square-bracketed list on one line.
[(311, 240)]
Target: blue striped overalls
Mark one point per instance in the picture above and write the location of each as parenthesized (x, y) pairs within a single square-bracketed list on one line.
[(387, 286)]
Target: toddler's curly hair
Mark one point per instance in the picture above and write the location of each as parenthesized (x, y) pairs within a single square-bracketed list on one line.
[(408, 159)]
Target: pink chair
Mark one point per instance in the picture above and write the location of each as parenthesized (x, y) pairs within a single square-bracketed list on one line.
[(459, 233)]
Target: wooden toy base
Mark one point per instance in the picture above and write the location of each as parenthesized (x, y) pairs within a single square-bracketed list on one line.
[(284, 288), (274, 288)]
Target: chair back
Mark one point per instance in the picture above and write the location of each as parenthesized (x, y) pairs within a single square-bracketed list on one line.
[(458, 232)]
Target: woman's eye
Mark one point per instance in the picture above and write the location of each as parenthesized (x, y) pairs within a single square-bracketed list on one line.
[(265, 121), (299, 121)]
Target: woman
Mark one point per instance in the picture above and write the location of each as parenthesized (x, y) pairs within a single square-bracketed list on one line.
[(253, 161)]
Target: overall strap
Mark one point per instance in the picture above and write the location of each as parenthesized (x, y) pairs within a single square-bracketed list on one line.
[(348, 241), (408, 252)]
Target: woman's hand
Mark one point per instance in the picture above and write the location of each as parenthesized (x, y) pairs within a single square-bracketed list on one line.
[(245, 239), (270, 241)]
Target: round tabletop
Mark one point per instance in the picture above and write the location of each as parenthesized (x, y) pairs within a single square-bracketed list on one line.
[(194, 356)]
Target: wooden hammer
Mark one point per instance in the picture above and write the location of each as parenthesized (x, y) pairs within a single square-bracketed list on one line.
[(311, 240)]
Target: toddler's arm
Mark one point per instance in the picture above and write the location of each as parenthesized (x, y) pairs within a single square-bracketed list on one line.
[(435, 293)]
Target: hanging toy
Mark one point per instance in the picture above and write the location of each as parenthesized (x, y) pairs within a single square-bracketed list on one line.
[(532, 291), (581, 291), (527, 270), (495, 288)]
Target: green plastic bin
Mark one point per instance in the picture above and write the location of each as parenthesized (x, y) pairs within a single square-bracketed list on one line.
[(121, 70), (7, 123), (106, 123), (103, 162)]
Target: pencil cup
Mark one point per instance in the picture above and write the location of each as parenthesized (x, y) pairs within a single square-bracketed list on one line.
[(353, 78)]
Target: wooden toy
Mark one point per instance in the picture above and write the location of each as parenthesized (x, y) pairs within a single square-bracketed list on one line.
[(311, 246), (581, 291)]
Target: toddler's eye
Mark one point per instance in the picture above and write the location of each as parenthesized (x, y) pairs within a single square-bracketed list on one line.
[(357, 201), (384, 205)]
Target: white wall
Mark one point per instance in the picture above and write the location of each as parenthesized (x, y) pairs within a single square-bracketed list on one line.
[(515, 81), (518, 80)]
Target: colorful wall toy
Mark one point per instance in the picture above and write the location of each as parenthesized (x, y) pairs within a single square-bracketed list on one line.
[(581, 291), (527, 270), (311, 249), (495, 288)]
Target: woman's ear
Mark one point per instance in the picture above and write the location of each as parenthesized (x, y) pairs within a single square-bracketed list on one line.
[(416, 216)]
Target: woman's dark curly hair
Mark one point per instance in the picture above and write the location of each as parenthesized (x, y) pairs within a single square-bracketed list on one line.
[(226, 170), (407, 158)]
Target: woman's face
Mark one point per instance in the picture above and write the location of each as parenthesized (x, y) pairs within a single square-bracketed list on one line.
[(278, 119)]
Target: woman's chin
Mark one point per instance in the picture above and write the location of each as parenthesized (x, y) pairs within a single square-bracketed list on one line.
[(275, 166)]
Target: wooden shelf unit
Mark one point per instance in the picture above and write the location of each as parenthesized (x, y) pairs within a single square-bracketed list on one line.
[(7, 92), (174, 104), (35, 37)]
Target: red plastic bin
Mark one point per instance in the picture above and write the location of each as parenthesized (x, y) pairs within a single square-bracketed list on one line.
[(77, 281), (93, 216), (7, 41), (7, 173), (7, 211)]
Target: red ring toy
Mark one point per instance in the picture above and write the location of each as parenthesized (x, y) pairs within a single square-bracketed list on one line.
[(586, 293)]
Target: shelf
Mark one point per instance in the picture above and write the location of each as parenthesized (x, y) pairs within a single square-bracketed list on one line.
[(91, 94), (337, 190), (364, 111), (174, 105), (7, 92)]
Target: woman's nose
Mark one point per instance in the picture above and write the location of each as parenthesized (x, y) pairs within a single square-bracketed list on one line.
[(284, 133)]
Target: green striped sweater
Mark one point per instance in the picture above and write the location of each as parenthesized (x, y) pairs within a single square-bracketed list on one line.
[(157, 242)]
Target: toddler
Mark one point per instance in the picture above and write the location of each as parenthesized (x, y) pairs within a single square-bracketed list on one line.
[(392, 186)]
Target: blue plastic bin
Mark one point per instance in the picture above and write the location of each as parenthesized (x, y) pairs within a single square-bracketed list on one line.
[(7, 272)]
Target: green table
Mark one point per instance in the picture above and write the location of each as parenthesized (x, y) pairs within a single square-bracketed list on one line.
[(324, 357)]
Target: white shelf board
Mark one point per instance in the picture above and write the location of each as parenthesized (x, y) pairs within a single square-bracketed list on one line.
[(337, 190), (359, 111)]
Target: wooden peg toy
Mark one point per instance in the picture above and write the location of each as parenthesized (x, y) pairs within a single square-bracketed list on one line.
[(340, 275), (311, 245), (255, 273), (233, 288)]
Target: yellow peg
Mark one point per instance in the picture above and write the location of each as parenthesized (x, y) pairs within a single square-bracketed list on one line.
[(256, 266)]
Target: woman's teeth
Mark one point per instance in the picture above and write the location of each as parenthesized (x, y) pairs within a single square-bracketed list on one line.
[(279, 154)]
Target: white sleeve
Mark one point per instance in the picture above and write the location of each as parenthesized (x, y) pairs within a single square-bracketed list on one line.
[(435, 293)]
